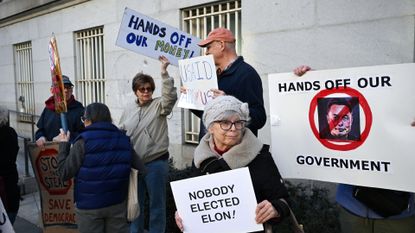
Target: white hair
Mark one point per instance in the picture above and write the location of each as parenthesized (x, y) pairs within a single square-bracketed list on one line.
[(222, 107), (4, 116)]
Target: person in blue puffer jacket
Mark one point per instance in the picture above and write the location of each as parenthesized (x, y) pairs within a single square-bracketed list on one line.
[(100, 161)]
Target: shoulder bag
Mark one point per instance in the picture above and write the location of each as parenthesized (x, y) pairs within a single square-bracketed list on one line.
[(295, 226), (133, 207)]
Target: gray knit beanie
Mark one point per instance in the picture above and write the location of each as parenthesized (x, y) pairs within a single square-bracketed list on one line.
[(215, 109)]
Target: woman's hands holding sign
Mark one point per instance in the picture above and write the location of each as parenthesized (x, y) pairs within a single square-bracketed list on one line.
[(216, 92), (265, 211), (179, 221)]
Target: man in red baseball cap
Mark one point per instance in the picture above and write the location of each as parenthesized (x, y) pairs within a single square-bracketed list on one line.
[(235, 77), (219, 34)]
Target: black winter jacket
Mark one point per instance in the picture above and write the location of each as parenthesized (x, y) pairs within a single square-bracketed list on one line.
[(243, 82), (50, 122), (8, 169)]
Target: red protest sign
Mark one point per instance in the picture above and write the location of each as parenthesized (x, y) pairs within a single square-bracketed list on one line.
[(57, 203)]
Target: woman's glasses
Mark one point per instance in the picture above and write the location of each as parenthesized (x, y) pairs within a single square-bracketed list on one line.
[(145, 89), (83, 119), (227, 125)]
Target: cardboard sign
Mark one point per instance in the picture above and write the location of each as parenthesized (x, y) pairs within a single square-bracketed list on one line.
[(348, 126), (198, 76), (57, 203), (58, 91), (5, 224), (150, 37), (220, 202)]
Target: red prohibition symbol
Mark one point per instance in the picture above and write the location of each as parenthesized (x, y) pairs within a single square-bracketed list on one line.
[(350, 145)]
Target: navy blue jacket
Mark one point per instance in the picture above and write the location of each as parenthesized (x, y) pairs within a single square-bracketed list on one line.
[(103, 177), (50, 122), (243, 82)]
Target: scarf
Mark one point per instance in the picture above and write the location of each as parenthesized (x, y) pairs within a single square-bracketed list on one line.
[(238, 156)]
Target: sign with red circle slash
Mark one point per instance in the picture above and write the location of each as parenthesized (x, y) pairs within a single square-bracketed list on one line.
[(333, 143)]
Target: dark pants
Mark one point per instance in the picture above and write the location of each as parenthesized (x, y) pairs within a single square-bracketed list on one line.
[(104, 220)]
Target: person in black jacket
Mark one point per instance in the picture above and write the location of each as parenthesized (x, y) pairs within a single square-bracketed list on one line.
[(50, 122), (229, 144), (8, 170), (236, 77)]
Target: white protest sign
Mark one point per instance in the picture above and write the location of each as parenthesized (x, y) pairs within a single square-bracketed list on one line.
[(150, 37), (5, 224), (348, 126), (198, 76), (222, 202)]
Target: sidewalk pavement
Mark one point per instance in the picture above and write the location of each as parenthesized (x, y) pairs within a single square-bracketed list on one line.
[(28, 217)]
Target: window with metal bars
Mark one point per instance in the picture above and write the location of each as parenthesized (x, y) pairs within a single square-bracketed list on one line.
[(89, 60), (199, 21), (23, 65)]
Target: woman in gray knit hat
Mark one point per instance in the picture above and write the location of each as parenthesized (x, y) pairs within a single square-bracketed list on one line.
[(230, 145)]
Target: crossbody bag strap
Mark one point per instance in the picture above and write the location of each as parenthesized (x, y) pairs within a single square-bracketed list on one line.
[(297, 228)]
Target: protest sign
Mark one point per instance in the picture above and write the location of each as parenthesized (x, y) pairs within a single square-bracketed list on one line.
[(150, 37), (58, 90), (348, 125), (5, 224), (220, 202), (198, 76), (56, 196)]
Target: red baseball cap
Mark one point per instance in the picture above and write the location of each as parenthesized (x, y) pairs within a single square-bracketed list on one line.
[(221, 34)]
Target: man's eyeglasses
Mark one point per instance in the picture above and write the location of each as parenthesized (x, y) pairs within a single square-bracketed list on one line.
[(227, 125), (68, 87), (145, 89)]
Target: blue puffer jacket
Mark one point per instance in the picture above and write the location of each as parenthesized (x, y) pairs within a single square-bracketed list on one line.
[(102, 180)]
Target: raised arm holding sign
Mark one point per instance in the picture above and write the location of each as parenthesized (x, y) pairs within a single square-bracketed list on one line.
[(145, 122)]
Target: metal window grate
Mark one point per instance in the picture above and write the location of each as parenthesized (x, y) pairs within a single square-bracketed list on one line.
[(199, 21), (24, 80), (89, 60)]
